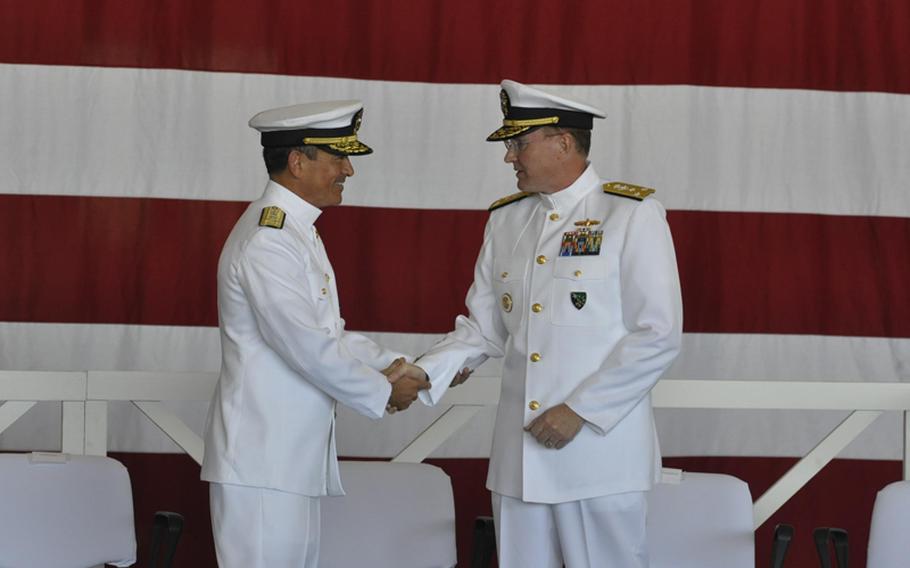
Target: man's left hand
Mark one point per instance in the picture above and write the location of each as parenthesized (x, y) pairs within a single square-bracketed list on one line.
[(556, 427)]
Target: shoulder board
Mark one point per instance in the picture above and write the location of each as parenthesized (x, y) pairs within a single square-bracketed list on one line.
[(508, 200), (272, 217), (636, 192)]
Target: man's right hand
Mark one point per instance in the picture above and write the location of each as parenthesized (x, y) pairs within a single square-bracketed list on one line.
[(404, 391), (400, 368)]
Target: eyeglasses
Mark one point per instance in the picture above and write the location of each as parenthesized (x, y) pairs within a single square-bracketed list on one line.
[(515, 145), (518, 145)]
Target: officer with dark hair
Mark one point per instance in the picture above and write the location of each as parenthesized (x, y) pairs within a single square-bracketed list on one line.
[(286, 357)]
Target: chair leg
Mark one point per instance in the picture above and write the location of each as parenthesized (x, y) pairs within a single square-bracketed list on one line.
[(824, 535), (166, 530), (484, 542), (783, 534)]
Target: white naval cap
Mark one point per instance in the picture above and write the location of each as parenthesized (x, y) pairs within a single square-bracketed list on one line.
[(332, 125), (525, 107)]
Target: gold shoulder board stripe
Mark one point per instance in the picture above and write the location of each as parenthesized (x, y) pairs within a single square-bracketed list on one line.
[(272, 217), (508, 200), (636, 192)]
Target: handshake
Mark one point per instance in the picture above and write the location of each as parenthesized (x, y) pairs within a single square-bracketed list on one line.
[(407, 380)]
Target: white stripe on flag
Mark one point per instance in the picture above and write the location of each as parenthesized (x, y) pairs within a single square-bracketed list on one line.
[(182, 134)]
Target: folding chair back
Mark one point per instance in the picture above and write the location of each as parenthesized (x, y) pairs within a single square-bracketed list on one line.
[(63, 511), (889, 545), (703, 521), (395, 515)]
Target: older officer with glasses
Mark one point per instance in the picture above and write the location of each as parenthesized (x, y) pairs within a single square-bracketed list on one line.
[(576, 287)]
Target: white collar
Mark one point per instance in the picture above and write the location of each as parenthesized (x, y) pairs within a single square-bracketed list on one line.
[(294, 206), (565, 199)]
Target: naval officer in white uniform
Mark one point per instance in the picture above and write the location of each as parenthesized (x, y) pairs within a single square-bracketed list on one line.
[(576, 286), (286, 357)]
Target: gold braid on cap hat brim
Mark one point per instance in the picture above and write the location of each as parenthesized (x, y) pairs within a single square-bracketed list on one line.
[(343, 144), (512, 127), (531, 121), (330, 140)]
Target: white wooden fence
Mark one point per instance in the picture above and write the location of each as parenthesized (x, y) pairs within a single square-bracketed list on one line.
[(85, 397)]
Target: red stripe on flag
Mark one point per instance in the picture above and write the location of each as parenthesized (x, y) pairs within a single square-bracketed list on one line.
[(111, 260), (154, 261), (793, 273), (837, 45)]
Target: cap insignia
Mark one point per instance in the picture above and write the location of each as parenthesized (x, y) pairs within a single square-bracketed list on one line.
[(358, 118), (508, 200), (636, 192), (504, 102), (272, 217)]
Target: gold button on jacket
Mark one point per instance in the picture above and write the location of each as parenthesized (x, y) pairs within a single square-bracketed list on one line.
[(533, 405), (535, 357), (537, 308)]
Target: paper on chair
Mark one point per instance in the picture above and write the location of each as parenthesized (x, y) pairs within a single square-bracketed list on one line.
[(48, 457), (670, 475)]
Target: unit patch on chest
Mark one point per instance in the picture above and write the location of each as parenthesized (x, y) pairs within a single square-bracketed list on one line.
[(272, 216), (578, 299)]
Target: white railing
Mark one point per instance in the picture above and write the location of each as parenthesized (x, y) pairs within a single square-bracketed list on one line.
[(85, 396)]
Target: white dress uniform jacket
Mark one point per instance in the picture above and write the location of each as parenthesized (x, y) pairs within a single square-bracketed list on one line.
[(601, 358), (286, 357)]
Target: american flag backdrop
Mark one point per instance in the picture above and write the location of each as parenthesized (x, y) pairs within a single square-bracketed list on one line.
[(776, 133)]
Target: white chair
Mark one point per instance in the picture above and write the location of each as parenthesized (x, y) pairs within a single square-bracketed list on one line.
[(701, 520), (65, 511), (889, 545), (695, 520), (70, 511), (395, 515)]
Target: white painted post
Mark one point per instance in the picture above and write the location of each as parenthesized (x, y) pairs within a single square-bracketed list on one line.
[(906, 445), (73, 426), (96, 428)]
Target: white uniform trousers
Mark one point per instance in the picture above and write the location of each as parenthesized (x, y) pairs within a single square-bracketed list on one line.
[(603, 532), (263, 528)]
